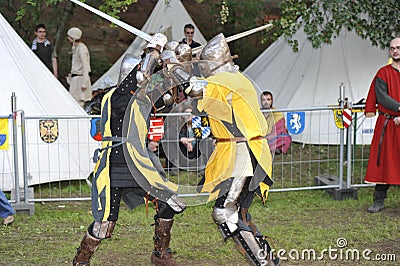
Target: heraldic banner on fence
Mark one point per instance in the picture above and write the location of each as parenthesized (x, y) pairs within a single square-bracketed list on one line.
[(4, 135)]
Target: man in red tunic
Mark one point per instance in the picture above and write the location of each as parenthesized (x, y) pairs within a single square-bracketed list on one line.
[(385, 147)]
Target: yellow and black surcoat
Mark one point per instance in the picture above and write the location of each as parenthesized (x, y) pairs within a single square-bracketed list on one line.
[(138, 159), (231, 101)]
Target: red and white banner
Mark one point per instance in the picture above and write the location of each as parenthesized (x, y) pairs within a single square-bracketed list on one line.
[(156, 130), (347, 118)]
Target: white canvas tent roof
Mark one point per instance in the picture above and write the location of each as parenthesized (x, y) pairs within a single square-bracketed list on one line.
[(38, 91), (311, 78), (167, 17), (38, 94)]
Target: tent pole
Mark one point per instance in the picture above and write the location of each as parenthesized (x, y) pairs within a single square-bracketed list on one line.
[(15, 146)]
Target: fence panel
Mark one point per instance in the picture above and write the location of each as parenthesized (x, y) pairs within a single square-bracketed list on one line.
[(58, 166)]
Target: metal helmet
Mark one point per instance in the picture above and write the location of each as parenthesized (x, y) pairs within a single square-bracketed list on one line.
[(183, 52), (129, 62), (169, 55), (157, 39), (216, 57), (216, 49), (171, 45)]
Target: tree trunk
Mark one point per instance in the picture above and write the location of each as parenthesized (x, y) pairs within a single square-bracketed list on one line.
[(63, 26)]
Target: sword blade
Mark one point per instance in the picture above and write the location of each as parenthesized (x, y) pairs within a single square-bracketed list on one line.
[(237, 36), (120, 23), (248, 32)]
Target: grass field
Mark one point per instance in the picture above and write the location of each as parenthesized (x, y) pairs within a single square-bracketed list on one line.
[(293, 221)]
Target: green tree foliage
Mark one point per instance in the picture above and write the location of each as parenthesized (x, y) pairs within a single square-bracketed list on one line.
[(24, 15), (235, 16), (322, 20)]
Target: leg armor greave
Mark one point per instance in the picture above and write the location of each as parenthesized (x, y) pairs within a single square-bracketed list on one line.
[(252, 243), (254, 247), (227, 220), (225, 212), (235, 190), (240, 227), (102, 230)]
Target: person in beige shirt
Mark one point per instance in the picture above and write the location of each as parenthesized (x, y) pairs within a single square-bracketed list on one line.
[(79, 79)]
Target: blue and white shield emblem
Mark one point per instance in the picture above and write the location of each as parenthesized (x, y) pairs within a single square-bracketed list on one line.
[(295, 122), (201, 127)]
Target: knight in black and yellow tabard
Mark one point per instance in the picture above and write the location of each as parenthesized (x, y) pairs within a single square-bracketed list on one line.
[(241, 163), (126, 168)]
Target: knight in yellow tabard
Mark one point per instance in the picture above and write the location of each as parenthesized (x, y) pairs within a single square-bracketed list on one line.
[(241, 163), (126, 168)]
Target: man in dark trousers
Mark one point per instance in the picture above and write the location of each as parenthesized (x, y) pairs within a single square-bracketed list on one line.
[(384, 154)]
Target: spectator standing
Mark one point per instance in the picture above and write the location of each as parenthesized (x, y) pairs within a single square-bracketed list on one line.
[(384, 154), (188, 30), (79, 79), (44, 50), (278, 136), (6, 210), (187, 142)]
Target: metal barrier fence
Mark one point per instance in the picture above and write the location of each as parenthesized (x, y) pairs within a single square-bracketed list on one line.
[(57, 168)]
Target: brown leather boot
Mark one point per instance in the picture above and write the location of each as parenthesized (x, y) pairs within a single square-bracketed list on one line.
[(162, 255), (85, 251)]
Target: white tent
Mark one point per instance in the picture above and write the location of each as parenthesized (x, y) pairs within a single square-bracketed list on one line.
[(40, 94), (167, 17), (311, 78)]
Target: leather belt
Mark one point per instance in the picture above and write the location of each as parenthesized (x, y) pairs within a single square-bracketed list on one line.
[(79, 75), (387, 116), (239, 139)]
